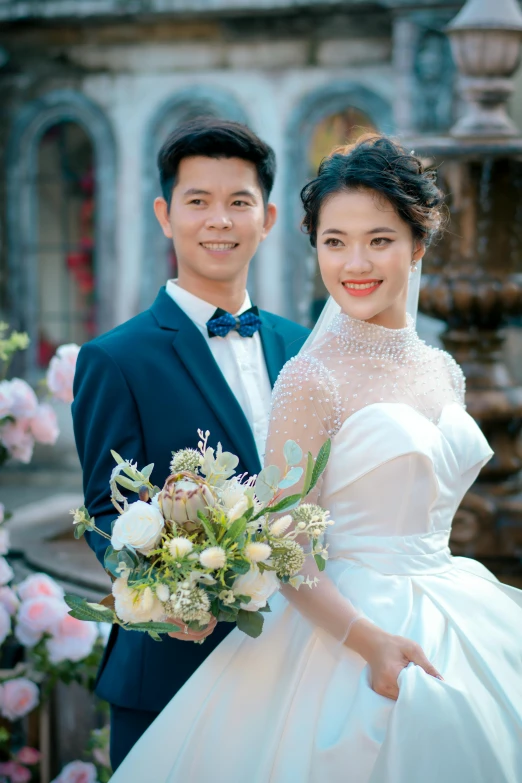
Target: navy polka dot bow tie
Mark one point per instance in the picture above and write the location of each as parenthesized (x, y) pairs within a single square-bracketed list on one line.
[(221, 323)]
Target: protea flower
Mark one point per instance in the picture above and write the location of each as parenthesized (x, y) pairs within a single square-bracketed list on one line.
[(182, 496)]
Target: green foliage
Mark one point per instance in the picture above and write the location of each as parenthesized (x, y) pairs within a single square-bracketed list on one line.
[(321, 562), (250, 623), (320, 463), (293, 453), (267, 483)]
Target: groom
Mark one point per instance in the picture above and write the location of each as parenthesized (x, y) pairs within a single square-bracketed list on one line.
[(201, 357)]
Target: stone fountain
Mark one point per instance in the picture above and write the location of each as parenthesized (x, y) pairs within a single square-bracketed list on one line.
[(473, 279)]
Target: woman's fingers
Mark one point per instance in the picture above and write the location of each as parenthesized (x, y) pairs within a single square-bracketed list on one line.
[(416, 655), (187, 634)]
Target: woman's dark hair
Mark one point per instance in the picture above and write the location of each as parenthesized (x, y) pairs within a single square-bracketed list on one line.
[(379, 164), (215, 138)]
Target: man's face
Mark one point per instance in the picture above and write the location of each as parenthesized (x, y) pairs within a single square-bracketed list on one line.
[(217, 217)]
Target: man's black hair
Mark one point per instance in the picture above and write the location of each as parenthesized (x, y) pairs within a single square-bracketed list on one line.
[(215, 138)]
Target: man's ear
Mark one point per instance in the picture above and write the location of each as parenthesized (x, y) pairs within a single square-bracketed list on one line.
[(161, 210), (270, 219)]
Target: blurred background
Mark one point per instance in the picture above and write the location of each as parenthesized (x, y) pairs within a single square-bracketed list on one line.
[(89, 90)]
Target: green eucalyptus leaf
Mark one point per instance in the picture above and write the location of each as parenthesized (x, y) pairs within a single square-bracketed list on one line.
[(285, 504), (147, 470), (250, 623), (321, 562), (293, 453), (320, 463), (79, 530), (117, 457), (266, 484), (291, 478)]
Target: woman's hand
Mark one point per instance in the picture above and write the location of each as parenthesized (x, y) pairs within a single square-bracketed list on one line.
[(387, 656), (187, 634)]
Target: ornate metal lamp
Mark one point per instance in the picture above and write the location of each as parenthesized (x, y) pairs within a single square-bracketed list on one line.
[(485, 39)]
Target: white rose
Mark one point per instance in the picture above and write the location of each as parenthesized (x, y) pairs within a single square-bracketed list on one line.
[(258, 552), (281, 525), (214, 557), (138, 528), (238, 509), (133, 606), (257, 586), (179, 547)]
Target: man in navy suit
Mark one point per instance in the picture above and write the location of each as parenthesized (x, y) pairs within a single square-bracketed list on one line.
[(200, 357)]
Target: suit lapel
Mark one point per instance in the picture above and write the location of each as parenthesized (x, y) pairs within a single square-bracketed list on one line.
[(273, 348), (196, 357)]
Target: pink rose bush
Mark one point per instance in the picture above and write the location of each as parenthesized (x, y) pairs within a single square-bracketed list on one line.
[(24, 421), (15, 773), (72, 640), (18, 697), (60, 375), (78, 772)]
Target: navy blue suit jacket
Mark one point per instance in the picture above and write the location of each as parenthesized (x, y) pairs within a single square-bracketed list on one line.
[(144, 389)]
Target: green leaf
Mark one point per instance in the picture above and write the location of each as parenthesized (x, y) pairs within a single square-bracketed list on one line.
[(155, 636), (240, 567), (250, 623), (79, 530), (117, 457), (127, 483), (154, 627), (308, 474), (293, 453), (147, 470), (110, 561), (320, 463), (236, 529), (321, 562), (207, 527), (265, 609), (285, 504), (266, 484), (291, 478), (82, 610)]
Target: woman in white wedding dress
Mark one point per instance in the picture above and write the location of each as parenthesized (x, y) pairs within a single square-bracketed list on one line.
[(404, 664)]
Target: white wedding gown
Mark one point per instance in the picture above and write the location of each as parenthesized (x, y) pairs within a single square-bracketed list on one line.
[(295, 705)]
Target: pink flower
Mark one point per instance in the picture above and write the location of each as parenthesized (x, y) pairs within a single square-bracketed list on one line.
[(72, 640), (5, 624), (26, 635), (24, 401), (77, 772), (6, 572), (42, 614), (60, 375), (37, 585), (18, 697), (17, 439), (9, 600), (6, 398), (4, 541), (44, 425), (14, 772), (28, 755)]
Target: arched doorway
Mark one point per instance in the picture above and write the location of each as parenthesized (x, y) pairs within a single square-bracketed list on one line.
[(199, 101), (330, 117), (65, 272), (61, 172)]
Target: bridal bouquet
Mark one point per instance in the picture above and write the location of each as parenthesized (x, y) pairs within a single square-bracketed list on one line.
[(208, 543)]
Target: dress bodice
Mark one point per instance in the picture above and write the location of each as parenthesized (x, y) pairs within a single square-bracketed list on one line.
[(395, 480)]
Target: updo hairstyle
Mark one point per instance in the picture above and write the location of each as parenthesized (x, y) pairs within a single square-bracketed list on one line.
[(377, 163)]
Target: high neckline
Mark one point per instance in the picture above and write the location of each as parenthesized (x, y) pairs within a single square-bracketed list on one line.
[(375, 340)]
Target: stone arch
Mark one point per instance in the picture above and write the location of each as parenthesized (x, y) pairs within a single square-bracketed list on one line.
[(26, 134), (189, 103), (312, 109)]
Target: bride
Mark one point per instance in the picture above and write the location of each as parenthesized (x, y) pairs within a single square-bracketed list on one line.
[(404, 664)]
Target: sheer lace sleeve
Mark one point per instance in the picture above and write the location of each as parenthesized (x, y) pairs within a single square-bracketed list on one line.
[(458, 380), (307, 408)]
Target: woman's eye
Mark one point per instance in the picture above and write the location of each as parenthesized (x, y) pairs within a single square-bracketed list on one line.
[(333, 242), (381, 241)]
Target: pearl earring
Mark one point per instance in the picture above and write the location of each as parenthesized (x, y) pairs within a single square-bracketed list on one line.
[(414, 267)]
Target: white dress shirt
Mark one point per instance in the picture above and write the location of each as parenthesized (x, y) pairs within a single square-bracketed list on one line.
[(240, 359)]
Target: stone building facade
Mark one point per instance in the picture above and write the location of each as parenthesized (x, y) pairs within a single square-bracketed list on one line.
[(89, 89)]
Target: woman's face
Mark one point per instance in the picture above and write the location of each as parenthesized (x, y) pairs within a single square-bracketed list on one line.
[(365, 253)]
